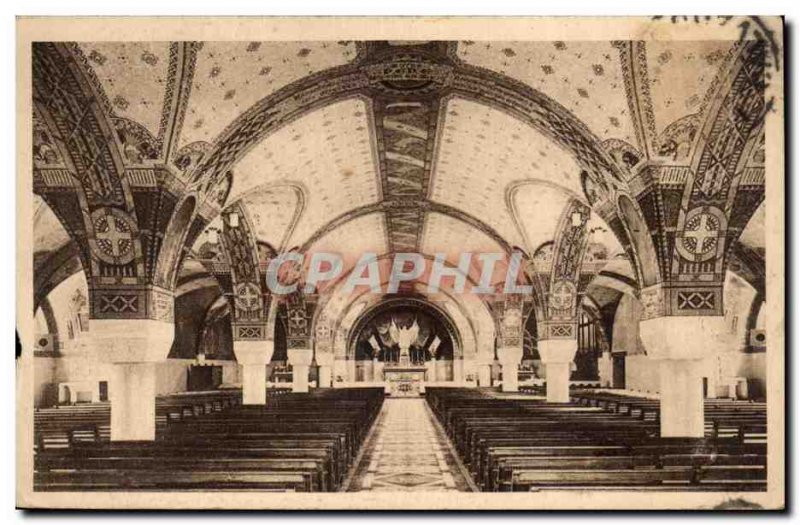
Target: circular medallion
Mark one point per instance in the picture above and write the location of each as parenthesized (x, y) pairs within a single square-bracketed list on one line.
[(701, 232), (113, 236), (562, 297), (247, 296)]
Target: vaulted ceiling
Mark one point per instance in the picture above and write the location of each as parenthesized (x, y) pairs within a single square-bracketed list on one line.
[(489, 180)]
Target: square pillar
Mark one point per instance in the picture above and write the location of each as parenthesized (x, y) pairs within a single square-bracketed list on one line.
[(300, 359), (510, 358), (254, 384), (484, 375), (132, 393), (681, 392), (430, 371), (680, 344), (325, 374), (458, 369), (133, 347), (557, 355), (253, 357)]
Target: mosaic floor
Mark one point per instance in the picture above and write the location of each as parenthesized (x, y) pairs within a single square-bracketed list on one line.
[(407, 451)]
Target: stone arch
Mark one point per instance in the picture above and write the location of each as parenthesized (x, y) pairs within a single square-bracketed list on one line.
[(642, 250), (173, 249), (417, 302)]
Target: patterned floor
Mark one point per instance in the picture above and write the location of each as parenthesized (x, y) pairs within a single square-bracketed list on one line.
[(407, 451)]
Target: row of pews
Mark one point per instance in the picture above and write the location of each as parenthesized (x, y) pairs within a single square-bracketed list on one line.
[(745, 420), (61, 426), (521, 443), (296, 442)]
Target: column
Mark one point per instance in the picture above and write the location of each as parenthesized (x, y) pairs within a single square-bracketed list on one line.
[(605, 370), (300, 359), (253, 357), (325, 363), (557, 355), (377, 367), (483, 366), (430, 370), (510, 357), (339, 370), (680, 344), (351, 370), (369, 371), (458, 369), (132, 348)]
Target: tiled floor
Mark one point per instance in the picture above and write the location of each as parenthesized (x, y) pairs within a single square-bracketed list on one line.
[(407, 452)]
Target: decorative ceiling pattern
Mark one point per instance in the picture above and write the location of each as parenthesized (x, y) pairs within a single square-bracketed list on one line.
[(482, 152), (365, 234), (133, 76), (452, 237), (273, 211), (232, 76), (680, 74), (538, 208), (584, 77), (328, 153)]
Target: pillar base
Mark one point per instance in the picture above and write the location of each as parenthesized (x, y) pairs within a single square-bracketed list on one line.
[(300, 359), (680, 344), (325, 376), (254, 384), (132, 347), (681, 392), (557, 376), (133, 402), (510, 358), (557, 355), (253, 357)]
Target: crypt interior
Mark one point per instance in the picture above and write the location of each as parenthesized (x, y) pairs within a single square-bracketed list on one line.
[(628, 176)]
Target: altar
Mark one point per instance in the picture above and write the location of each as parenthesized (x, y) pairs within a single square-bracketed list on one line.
[(404, 380)]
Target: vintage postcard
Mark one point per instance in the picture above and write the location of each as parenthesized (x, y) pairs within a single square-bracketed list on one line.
[(401, 263)]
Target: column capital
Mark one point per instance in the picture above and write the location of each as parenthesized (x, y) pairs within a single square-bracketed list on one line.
[(686, 337), (509, 355), (300, 356), (131, 340), (254, 352), (324, 358), (557, 350)]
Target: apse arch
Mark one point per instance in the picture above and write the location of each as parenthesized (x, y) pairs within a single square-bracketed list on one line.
[(418, 303)]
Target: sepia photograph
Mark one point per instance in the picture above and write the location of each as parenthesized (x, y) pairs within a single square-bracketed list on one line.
[(400, 263)]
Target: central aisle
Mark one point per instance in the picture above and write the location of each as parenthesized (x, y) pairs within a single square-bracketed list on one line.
[(407, 451)]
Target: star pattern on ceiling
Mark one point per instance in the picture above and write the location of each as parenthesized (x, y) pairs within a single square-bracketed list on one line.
[(232, 76), (584, 77), (482, 152), (681, 74), (133, 76), (273, 212), (452, 237), (328, 153), (365, 234)]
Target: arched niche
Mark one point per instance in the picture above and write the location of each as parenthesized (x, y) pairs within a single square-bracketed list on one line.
[(437, 323)]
